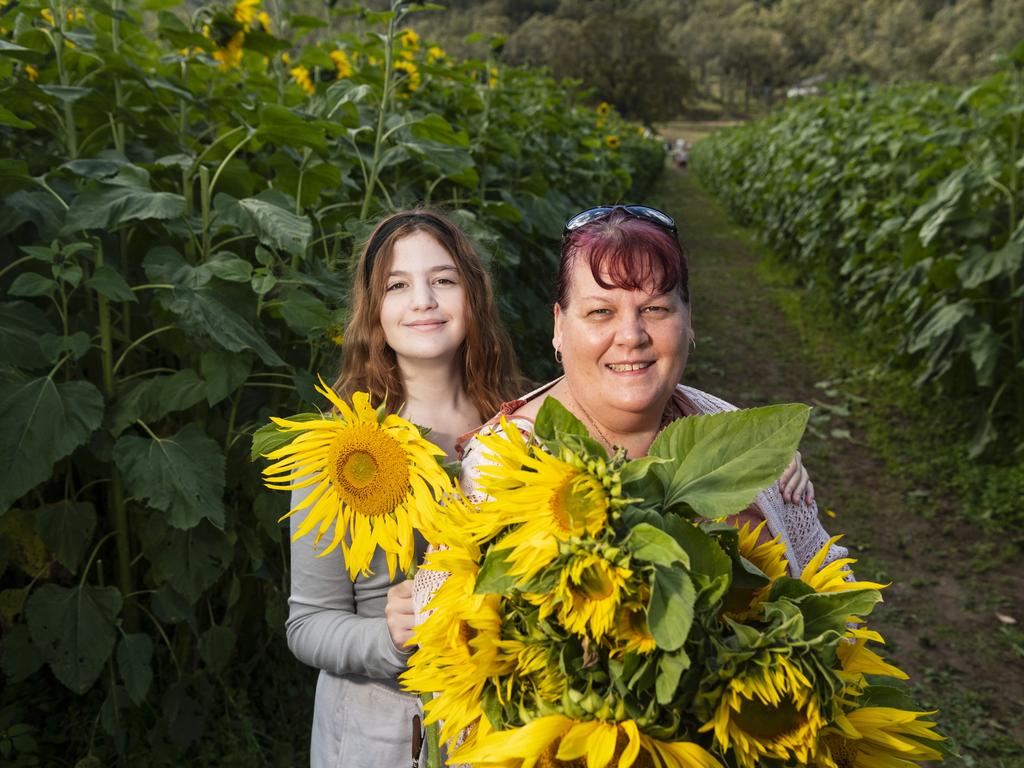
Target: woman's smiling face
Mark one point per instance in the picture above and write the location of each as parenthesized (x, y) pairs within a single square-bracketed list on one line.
[(623, 350), (423, 311)]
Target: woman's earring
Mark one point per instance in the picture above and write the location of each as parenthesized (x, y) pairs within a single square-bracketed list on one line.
[(558, 356), (693, 342)]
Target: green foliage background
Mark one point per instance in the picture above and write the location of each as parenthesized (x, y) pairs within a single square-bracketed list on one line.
[(907, 204), (180, 206)]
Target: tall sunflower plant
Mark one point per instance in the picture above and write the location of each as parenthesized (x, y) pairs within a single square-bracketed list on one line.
[(366, 480), (607, 612)]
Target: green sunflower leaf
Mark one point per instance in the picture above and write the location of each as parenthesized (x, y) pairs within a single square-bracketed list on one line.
[(670, 612), (494, 574), (645, 542), (721, 462), (190, 561), (75, 629), (828, 611), (66, 528), (270, 437), (182, 475), (133, 662), (41, 422)]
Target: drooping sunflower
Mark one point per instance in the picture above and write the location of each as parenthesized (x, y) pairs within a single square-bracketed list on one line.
[(556, 740), (246, 11), (550, 499), (633, 634), (768, 709), (857, 660), (459, 644), (588, 593), (300, 75), (342, 63), (878, 737), (373, 476), (770, 559)]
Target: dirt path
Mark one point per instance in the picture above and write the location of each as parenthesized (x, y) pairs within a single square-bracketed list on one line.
[(946, 616)]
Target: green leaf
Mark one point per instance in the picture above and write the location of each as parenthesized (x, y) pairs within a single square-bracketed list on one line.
[(670, 612), (181, 475), (216, 647), (828, 611), (74, 628), (710, 566), (153, 398), (554, 419), (645, 542), (21, 53), (40, 423), (21, 326), (29, 284), (721, 462), (670, 669), (55, 347), (277, 227), (66, 528), (191, 561), (108, 282), (133, 662), (224, 372), (229, 267), (123, 198), (982, 266), (19, 657), (270, 437), (494, 575), (9, 118), (433, 127), (305, 313), (281, 125)]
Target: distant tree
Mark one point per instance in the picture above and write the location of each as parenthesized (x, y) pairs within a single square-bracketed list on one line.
[(626, 60)]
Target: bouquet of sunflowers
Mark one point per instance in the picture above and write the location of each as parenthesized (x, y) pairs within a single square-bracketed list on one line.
[(603, 612)]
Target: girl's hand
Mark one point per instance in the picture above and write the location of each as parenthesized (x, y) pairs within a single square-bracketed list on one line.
[(795, 483), (399, 613)]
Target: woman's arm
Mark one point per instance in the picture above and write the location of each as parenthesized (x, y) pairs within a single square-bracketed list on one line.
[(324, 628)]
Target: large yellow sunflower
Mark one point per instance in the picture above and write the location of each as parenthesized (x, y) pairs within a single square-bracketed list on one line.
[(587, 596), (878, 737), (550, 499), (556, 740), (769, 709), (770, 559), (373, 478)]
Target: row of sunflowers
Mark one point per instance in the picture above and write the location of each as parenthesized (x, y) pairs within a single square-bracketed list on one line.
[(182, 189)]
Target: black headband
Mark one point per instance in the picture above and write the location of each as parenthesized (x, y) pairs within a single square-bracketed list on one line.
[(384, 231)]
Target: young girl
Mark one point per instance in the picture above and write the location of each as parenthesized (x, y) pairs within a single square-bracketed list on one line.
[(425, 335)]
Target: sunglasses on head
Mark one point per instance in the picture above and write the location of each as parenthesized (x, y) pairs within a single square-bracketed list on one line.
[(644, 212)]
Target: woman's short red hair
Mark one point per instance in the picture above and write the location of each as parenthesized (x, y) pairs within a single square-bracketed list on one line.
[(626, 252)]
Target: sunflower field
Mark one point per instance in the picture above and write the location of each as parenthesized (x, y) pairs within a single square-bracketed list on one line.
[(907, 204), (183, 190)]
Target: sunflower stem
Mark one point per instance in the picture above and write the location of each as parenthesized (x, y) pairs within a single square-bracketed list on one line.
[(117, 510), (433, 737)]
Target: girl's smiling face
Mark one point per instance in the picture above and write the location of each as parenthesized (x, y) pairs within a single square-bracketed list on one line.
[(423, 311)]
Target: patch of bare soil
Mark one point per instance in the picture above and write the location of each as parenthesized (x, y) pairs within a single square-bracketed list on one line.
[(955, 592)]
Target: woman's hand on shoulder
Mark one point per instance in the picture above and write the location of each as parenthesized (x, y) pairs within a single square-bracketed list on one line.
[(795, 483), (399, 613)]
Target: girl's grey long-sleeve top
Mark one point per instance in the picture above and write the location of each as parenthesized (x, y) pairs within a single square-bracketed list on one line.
[(335, 624)]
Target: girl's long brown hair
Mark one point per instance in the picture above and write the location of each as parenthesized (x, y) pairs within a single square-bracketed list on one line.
[(490, 374)]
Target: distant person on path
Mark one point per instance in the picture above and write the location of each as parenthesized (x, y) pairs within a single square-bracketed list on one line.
[(680, 153), (425, 334)]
